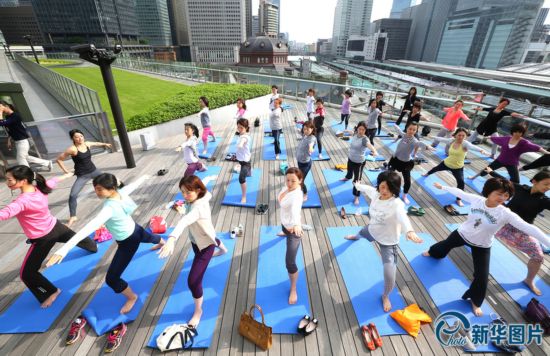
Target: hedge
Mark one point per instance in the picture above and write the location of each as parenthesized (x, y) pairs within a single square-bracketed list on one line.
[(186, 103)]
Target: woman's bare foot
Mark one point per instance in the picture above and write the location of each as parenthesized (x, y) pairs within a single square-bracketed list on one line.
[(386, 303), (425, 175), (356, 201), (195, 319), (406, 199), (48, 302), (532, 286), (292, 297), (130, 302), (477, 310), (459, 202), (426, 254), (305, 197), (71, 221), (343, 179), (221, 249), (280, 233), (351, 237), (159, 245), (243, 200)]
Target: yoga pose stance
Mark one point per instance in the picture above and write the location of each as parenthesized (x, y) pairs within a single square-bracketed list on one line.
[(204, 115), (310, 103), (456, 150), (304, 149), (318, 121), (388, 219), (274, 95), (189, 148), (356, 158), (201, 234), (373, 120), (380, 106), (345, 109), (41, 228), (276, 124), (84, 168), (450, 121), (116, 216), (402, 159), (410, 100), (290, 199), (488, 126), (487, 216), (243, 155), (11, 121), (241, 109), (512, 147), (527, 202)]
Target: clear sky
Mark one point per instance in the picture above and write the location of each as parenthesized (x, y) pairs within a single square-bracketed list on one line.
[(308, 20)]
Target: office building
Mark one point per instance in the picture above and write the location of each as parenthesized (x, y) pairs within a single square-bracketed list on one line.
[(351, 17), (269, 18), (397, 8), (154, 22), (255, 25), (370, 47), (18, 21), (179, 30), (539, 30), (488, 33), (216, 29), (397, 31)]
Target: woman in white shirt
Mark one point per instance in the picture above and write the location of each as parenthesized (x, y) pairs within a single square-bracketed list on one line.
[(487, 216), (388, 218), (190, 153), (291, 198)]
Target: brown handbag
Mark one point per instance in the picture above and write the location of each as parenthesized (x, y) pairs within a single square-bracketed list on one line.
[(258, 333)]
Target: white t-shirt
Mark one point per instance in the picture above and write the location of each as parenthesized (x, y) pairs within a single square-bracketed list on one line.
[(388, 218), (189, 148), (291, 207), (272, 101), (243, 148), (483, 222), (310, 103)]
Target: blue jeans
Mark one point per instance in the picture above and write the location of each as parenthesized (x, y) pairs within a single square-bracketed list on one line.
[(276, 134)]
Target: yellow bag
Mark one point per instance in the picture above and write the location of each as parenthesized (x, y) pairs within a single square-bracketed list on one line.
[(410, 318), (341, 166)]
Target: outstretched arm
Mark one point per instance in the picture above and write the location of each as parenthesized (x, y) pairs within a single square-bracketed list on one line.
[(370, 191), (470, 198), (128, 189), (531, 230)]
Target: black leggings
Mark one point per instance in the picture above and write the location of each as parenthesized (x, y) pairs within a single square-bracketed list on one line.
[(305, 168), (319, 132), (198, 268), (355, 171), (246, 171), (379, 124), (400, 118), (481, 257), (29, 273), (405, 169), (542, 161), (345, 118), (126, 250), (293, 242), (512, 170), (458, 173), (370, 134)]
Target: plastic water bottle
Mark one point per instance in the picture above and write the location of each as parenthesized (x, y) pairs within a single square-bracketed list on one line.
[(241, 230), (233, 234)]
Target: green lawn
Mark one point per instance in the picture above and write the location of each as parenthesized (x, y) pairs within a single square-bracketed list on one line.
[(137, 93)]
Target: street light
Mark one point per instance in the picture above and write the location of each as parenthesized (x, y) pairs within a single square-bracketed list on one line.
[(28, 38), (103, 58)]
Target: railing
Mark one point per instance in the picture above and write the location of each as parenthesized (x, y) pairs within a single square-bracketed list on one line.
[(75, 97)]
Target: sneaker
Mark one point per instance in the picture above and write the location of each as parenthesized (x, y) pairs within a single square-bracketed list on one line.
[(115, 338), (320, 156), (50, 166), (307, 227), (76, 328), (240, 230)]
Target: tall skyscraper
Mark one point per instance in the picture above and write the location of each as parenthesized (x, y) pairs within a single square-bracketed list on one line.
[(154, 22), (397, 31), (488, 33), (216, 29), (269, 18), (351, 17), (92, 21), (397, 8), (255, 25), (17, 19), (248, 14), (179, 29), (539, 33)]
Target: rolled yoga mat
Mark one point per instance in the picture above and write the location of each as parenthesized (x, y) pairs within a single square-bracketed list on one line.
[(210, 148), (233, 194), (180, 305), (273, 285), (342, 195), (268, 148), (363, 274), (442, 197), (445, 283), (25, 314)]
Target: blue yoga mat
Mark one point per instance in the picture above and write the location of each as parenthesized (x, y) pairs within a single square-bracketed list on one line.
[(442, 197), (378, 158), (25, 314), (338, 127), (233, 194), (180, 306), (445, 283), (363, 274), (372, 177), (509, 271), (273, 285), (233, 145), (269, 148), (315, 155), (313, 199), (266, 126), (480, 155), (342, 193), (103, 312), (212, 171), (286, 106), (210, 148)]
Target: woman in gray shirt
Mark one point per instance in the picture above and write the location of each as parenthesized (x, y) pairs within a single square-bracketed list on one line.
[(304, 151)]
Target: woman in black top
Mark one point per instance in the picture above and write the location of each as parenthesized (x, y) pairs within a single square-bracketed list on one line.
[(410, 99), (13, 124), (527, 202), (488, 126), (84, 168)]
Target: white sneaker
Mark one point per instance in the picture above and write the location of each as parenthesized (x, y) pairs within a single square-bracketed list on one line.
[(277, 157), (307, 227), (320, 156)]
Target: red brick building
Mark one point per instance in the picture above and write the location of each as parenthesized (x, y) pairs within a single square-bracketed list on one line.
[(263, 51)]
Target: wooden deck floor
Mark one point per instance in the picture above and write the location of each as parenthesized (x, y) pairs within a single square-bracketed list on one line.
[(338, 333)]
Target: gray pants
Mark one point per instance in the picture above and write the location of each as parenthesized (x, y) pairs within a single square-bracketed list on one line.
[(292, 245), (443, 132), (78, 184), (22, 155), (494, 147), (389, 260)]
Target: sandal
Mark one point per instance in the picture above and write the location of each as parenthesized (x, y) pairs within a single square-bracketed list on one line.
[(367, 337), (311, 327), (211, 159), (343, 213), (375, 335), (303, 324), (450, 210), (162, 172)]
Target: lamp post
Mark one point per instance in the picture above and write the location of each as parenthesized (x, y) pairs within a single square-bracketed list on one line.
[(28, 38), (103, 58)]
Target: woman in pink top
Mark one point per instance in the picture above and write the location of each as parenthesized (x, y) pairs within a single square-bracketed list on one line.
[(345, 109), (450, 121), (42, 229)]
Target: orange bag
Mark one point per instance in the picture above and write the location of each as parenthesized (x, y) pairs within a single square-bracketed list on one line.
[(410, 318)]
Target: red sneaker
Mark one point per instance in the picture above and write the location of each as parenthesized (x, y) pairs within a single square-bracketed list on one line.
[(115, 338), (76, 328)]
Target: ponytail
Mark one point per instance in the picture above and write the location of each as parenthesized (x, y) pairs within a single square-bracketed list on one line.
[(21, 172), (41, 184)]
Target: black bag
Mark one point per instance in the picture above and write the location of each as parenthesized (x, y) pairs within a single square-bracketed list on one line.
[(504, 345), (257, 122), (426, 130)]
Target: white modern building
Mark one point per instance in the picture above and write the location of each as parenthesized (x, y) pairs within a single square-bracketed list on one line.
[(351, 17), (370, 47), (216, 29), (269, 18)]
